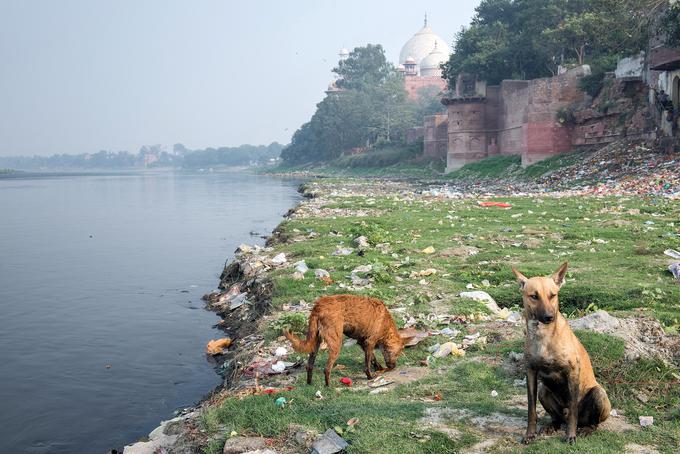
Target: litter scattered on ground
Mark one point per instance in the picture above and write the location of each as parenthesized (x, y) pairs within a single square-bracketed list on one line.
[(280, 351), (494, 393), (412, 336), (428, 250), (318, 395), (217, 346), (279, 259), (346, 381), (448, 348), (379, 382), (281, 402)]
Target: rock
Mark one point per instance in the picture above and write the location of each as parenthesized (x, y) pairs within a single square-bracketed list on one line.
[(516, 356), (301, 267), (329, 443), (482, 297), (239, 445), (633, 448), (462, 252), (261, 451), (162, 437), (342, 251), (321, 273), (244, 249), (599, 321), (533, 243), (362, 242)]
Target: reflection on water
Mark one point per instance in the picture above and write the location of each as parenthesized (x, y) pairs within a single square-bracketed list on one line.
[(100, 279)]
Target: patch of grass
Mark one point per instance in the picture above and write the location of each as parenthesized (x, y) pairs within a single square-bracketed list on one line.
[(600, 237), (493, 167)]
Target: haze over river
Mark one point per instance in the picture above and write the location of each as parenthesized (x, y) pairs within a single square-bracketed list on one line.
[(103, 330)]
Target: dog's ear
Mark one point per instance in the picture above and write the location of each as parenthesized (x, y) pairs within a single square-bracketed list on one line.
[(521, 279), (560, 274)]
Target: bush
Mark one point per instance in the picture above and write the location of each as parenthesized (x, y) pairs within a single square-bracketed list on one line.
[(383, 156)]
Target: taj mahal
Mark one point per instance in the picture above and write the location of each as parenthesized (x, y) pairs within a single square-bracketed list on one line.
[(420, 61)]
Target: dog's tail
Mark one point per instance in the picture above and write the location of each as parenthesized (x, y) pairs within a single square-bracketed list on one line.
[(308, 345)]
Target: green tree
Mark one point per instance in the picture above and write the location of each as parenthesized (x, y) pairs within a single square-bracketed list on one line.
[(365, 66), (372, 107), (527, 39)]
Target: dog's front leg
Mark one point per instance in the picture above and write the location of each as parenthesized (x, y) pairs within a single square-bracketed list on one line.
[(532, 389), (572, 417)]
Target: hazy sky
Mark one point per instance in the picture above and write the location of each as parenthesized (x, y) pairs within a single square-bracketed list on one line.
[(79, 76)]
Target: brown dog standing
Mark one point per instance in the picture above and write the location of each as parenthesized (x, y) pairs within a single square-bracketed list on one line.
[(568, 390), (365, 319)]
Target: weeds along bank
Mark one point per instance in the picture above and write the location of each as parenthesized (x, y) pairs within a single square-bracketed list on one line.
[(418, 248)]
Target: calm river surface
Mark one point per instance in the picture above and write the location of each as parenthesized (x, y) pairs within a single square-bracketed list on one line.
[(102, 329)]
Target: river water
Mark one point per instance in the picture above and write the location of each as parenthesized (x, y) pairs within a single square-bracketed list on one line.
[(102, 329)]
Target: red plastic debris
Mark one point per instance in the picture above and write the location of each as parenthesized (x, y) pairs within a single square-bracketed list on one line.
[(494, 204), (346, 381)]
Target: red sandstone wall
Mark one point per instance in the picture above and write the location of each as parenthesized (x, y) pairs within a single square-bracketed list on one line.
[(514, 102), (413, 84), (545, 136), (435, 143)]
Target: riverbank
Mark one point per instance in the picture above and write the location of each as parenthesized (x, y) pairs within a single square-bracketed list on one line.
[(425, 244)]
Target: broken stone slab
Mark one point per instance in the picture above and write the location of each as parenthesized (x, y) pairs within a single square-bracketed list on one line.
[(329, 443), (162, 437), (240, 445), (482, 297)]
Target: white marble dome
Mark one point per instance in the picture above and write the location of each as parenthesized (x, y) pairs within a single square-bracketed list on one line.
[(421, 45), (430, 65)]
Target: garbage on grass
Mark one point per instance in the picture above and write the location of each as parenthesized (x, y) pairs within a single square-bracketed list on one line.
[(346, 381), (448, 348), (428, 250), (279, 259), (281, 351), (412, 336), (279, 366), (281, 402), (494, 393), (494, 204), (217, 346)]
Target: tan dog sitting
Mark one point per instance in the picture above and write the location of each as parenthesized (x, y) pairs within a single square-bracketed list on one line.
[(558, 367)]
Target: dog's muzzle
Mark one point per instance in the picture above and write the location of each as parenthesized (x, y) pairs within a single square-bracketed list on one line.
[(546, 319)]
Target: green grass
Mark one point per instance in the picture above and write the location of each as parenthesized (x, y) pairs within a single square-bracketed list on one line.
[(616, 263)]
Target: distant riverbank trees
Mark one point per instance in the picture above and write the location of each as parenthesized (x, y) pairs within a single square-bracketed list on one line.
[(369, 107), (150, 156)]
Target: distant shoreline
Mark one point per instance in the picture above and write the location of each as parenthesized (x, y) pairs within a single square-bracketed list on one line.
[(22, 174)]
